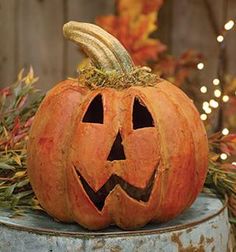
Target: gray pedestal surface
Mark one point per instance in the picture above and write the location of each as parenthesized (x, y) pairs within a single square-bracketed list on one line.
[(203, 227)]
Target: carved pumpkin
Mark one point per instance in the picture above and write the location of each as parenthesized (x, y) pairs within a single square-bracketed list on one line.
[(127, 152)]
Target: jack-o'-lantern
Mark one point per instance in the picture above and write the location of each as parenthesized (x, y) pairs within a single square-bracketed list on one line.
[(118, 145)]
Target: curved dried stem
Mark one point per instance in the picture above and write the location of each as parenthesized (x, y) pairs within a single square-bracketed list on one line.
[(104, 50)]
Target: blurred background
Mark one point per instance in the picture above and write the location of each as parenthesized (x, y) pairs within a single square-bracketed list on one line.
[(31, 34), (190, 42)]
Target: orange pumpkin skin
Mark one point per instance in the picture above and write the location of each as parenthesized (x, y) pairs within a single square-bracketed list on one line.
[(62, 148)]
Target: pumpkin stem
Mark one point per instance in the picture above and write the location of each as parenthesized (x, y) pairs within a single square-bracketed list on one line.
[(104, 50)]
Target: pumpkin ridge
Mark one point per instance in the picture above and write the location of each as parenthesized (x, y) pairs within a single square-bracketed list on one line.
[(166, 152), (179, 105), (54, 94), (192, 108), (183, 115)]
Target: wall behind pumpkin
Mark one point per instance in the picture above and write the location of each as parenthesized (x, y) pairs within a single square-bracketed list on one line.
[(31, 33)]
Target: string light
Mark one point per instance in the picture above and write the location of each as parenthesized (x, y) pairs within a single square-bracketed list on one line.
[(223, 156), (203, 89), (225, 131), (208, 110), (213, 103), (203, 117), (216, 81), (229, 25), (200, 65), (220, 38), (225, 98), (205, 105), (217, 93)]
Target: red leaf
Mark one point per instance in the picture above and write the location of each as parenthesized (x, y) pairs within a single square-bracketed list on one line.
[(230, 138), (228, 167), (5, 91), (226, 148), (22, 102), (16, 126), (29, 122), (151, 6)]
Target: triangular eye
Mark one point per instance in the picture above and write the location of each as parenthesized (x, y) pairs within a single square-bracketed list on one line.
[(94, 113), (141, 116)]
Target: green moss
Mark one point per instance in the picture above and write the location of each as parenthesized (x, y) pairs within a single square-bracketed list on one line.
[(95, 78)]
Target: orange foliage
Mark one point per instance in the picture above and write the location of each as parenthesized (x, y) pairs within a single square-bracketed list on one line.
[(177, 70), (135, 21)]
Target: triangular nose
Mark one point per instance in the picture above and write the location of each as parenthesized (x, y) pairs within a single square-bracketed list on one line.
[(117, 150)]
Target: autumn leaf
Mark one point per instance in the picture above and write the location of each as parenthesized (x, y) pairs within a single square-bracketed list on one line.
[(16, 126), (22, 101), (133, 25), (129, 8), (213, 156), (229, 148), (151, 6), (5, 166), (17, 112), (20, 174), (17, 159), (5, 91), (147, 51), (134, 8), (30, 78), (177, 70), (29, 122), (134, 36), (229, 138)]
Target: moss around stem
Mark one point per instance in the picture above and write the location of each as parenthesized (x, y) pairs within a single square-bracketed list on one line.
[(94, 78)]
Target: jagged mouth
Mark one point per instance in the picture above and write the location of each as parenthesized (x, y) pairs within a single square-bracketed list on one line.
[(98, 198)]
